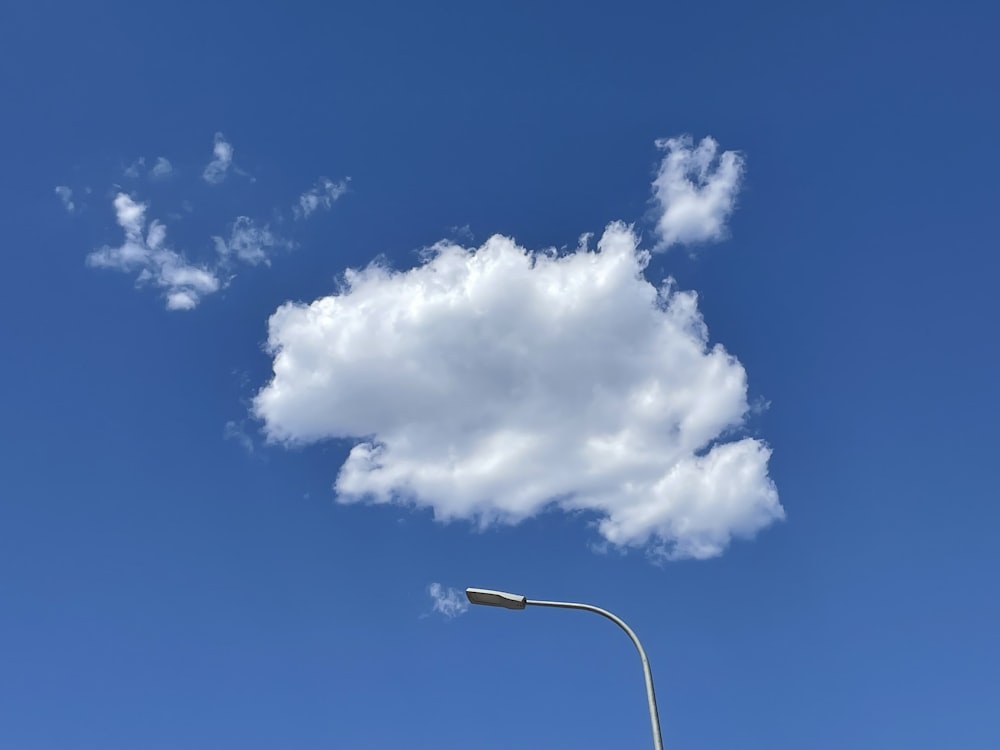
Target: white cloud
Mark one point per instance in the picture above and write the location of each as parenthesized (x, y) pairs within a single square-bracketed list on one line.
[(162, 169), (322, 195), (222, 158), (153, 262), (66, 196), (447, 601), (135, 168), (491, 383), (159, 171), (695, 190), (145, 253), (249, 243)]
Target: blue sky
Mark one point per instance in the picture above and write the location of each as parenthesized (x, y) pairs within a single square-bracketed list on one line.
[(300, 323)]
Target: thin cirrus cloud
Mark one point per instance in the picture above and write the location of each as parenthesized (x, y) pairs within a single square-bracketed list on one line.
[(162, 169), (321, 196), (136, 168), (491, 383), (222, 159), (159, 171), (237, 432), (447, 601), (65, 195), (249, 242), (144, 252)]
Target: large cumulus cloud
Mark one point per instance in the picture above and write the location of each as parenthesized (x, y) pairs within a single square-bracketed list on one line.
[(490, 383)]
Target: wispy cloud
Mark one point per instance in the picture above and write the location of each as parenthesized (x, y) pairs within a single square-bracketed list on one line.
[(65, 195), (159, 171), (133, 170), (492, 382), (322, 195), (695, 190), (462, 233), (162, 169), (145, 253), (236, 431), (249, 242), (244, 241), (448, 602), (222, 159)]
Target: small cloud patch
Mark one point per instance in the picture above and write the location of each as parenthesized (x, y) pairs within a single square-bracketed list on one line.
[(222, 159), (448, 602)]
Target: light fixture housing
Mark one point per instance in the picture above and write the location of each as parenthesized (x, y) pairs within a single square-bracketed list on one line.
[(496, 598)]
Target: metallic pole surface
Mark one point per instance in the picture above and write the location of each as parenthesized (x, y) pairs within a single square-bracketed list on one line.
[(654, 717)]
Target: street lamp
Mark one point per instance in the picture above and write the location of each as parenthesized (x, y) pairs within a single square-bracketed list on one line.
[(516, 601)]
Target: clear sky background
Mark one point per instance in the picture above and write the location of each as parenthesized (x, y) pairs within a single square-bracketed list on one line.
[(800, 525)]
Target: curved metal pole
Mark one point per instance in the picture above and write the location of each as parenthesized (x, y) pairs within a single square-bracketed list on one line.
[(654, 717)]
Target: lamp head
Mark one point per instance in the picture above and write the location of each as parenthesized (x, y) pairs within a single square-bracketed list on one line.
[(496, 598)]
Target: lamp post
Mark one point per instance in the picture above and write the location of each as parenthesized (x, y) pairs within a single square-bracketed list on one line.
[(516, 601)]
